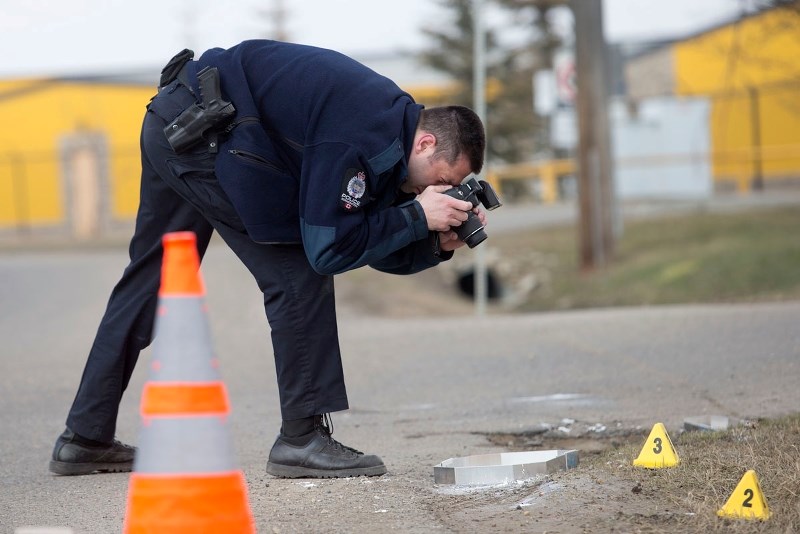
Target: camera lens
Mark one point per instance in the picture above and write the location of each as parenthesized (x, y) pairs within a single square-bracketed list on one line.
[(476, 238), (471, 231)]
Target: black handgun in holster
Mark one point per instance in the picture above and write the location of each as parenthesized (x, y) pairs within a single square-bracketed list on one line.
[(201, 122)]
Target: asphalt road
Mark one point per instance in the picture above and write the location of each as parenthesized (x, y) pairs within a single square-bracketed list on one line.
[(420, 389)]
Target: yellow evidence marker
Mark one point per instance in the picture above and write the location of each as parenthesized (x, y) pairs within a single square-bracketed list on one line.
[(658, 451), (747, 501)]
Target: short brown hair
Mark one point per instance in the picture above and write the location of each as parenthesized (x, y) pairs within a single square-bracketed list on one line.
[(458, 130)]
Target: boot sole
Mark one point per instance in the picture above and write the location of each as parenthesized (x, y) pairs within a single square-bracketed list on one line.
[(294, 471), (71, 468)]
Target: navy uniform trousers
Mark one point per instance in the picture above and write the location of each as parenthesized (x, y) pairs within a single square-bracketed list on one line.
[(181, 193)]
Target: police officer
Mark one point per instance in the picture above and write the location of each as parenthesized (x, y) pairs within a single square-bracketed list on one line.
[(316, 165)]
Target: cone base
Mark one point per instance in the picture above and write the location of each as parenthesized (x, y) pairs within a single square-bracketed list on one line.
[(188, 504)]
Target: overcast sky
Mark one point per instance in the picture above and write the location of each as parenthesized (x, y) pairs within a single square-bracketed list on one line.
[(59, 37)]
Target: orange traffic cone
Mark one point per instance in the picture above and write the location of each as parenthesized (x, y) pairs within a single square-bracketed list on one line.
[(184, 478)]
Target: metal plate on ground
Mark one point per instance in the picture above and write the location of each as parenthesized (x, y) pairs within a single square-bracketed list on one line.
[(707, 422), (504, 467)]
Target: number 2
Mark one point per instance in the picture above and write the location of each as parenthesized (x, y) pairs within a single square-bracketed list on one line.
[(749, 493)]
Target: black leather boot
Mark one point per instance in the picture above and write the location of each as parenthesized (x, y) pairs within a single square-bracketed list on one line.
[(318, 455), (74, 456)]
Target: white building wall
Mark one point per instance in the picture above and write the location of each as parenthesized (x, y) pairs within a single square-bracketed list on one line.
[(662, 150)]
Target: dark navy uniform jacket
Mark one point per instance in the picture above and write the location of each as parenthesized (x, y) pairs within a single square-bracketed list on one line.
[(318, 154)]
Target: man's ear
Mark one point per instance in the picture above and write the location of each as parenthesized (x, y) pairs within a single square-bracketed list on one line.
[(423, 141)]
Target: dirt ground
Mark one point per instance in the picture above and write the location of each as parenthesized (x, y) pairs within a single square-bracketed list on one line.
[(592, 498)]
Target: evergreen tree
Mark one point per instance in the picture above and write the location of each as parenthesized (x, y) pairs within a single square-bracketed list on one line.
[(511, 122)]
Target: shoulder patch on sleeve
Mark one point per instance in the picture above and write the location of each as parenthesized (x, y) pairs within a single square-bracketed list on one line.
[(354, 189)]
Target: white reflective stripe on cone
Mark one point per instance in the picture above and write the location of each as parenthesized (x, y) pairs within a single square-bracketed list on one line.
[(187, 444), (182, 344)]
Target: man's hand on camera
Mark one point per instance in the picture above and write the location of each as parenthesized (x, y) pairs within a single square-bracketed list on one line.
[(449, 240), (442, 211)]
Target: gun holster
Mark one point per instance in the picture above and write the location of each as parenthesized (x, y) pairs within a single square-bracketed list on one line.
[(201, 122)]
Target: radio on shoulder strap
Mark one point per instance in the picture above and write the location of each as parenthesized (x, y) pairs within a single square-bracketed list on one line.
[(174, 66)]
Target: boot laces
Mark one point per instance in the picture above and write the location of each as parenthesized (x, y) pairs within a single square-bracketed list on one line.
[(325, 425)]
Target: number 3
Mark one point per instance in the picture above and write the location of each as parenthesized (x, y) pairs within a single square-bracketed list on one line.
[(657, 448)]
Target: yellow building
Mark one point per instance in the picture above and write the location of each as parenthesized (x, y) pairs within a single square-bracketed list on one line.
[(748, 69), (70, 154)]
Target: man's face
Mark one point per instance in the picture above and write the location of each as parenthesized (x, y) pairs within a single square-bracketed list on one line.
[(425, 170)]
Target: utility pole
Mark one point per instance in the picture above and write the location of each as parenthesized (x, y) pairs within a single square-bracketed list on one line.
[(479, 105), (597, 199), (277, 15), (757, 183)]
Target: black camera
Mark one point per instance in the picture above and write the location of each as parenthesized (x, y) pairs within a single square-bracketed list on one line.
[(471, 231)]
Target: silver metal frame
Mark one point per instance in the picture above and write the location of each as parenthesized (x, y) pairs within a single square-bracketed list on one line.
[(504, 467)]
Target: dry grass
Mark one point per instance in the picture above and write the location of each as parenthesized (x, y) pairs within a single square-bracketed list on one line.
[(699, 257), (712, 464)]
